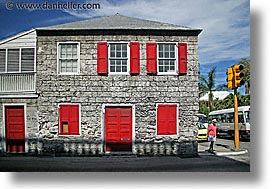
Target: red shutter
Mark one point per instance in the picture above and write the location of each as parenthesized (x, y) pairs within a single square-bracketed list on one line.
[(102, 58), (64, 115), (182, 54), (69, 118), (151, 54), (167, 119), (172, 120), (161, 117), (74, 120), (134, 58)]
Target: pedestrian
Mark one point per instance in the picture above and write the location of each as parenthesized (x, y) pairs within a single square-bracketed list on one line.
[(212, 134)]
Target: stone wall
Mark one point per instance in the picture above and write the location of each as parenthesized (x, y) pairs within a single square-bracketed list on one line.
[(92, 91)]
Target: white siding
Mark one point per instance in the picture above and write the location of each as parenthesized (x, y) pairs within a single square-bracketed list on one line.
[(25, 39)]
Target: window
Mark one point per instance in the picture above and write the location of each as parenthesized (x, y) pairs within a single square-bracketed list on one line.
[(167, 116), (118, 58), (167, 58), (68, 58), (27, 60), (69, 120), (17, 60), (2, 60)]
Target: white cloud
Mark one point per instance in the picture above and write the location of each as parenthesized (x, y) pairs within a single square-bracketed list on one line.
[(225, 23)]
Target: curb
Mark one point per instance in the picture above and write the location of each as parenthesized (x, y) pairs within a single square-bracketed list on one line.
[(231, 153)]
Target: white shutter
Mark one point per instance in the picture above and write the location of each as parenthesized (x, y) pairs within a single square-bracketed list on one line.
[(13, 60), (2, 60), (27, 59)]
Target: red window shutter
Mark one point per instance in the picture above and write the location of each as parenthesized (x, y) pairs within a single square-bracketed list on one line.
[(64, 116), (69, 118), (102, 58), (167, 119), (134, 58), (74, 120), (161, 117), (172, 120), (151, 54), (182, 56)]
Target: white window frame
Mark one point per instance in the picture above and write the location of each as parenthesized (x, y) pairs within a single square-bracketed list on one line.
[(58, 58), (177, 120), (176, 59), (79, 126), (128, 58), (20, 62)]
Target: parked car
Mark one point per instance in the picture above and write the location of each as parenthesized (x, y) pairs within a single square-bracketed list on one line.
[(202, 133)]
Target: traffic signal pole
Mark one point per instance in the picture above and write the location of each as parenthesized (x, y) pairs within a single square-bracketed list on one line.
[(234, 80), (236, 127)]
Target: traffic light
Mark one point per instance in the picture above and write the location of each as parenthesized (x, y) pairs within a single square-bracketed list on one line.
[(230, 78), (238, 75)]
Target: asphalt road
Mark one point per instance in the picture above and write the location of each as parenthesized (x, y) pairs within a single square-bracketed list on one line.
[(204, 163)]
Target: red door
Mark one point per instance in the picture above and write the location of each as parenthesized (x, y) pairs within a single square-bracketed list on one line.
[(15, 129), (118, 129)]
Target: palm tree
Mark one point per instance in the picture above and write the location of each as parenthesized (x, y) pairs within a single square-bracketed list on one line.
[(208, 85)]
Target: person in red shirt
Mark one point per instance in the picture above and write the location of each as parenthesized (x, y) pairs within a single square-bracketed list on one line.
[(212, 134)]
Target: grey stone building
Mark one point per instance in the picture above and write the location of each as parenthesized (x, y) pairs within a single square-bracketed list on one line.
[(113, 84)]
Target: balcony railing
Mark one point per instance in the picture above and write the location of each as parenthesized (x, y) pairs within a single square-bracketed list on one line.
[(17, 82)]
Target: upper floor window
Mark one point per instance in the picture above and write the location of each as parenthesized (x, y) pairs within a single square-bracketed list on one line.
[(167, 58), (118, 58), (17, 60), (68, 58)]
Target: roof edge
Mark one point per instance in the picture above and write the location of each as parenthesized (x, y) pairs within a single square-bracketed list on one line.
[(168, 32), (17, 36)]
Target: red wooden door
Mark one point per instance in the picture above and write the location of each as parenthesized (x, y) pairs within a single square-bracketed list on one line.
[(15, 129), (118, 133)]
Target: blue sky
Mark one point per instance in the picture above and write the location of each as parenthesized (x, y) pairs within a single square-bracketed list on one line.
[(226, 26)]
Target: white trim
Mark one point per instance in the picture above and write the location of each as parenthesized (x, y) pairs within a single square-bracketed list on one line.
[(103, 125), (177, 119), (128, 58), (78, 57), (31, 95), (4, 125), (16, 36), (176, 72), (34, 68), (6, 63), (79, 127), (20, 63)]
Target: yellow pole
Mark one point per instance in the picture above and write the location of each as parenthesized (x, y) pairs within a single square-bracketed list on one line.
[(236, 127)]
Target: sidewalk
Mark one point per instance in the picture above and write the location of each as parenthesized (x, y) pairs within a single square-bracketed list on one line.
[(220, 149)]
